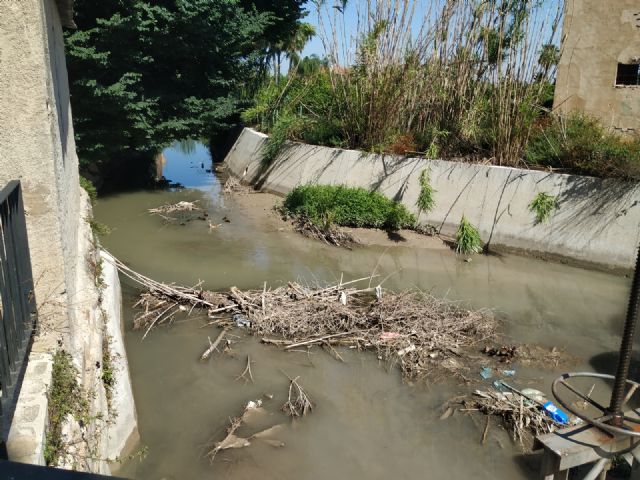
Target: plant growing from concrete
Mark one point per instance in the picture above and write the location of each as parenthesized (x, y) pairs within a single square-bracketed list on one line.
[(90, 188), (425, 201), (108, 369), (468, 239), (543, 206), (65, 398)]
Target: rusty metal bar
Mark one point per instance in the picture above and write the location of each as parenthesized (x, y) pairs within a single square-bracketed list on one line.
[(626, 348)]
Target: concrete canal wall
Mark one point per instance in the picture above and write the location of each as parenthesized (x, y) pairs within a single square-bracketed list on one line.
[(596, 223)]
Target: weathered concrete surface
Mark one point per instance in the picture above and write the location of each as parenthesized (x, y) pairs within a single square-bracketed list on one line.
[(597, 222), (37, 147), (123, 432), (26, 440), (597, 35)]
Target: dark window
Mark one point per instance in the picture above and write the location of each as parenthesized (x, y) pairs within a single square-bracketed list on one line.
[(628, 74)]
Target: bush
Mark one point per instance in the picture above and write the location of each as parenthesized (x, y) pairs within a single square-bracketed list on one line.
[(468, 239), (90, 189), (65, 398), (346, 206), (581, 144)]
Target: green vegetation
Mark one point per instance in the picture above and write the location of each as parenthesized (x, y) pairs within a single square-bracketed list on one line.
[(327, 205), (477, 84), (65, 398), (90, 188), (543, 206), (146, 73), (468, 239), (108, 369), (581, 144), (470, 84), (425, 199)]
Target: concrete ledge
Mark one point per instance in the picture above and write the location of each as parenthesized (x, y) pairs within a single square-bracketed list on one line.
[(123, 433), (26, 439), (596, 224)]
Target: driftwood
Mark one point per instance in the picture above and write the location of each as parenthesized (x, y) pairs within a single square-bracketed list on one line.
[(246, 374), (331, 235), (212, 346), (522, 418), (233, 441), (411, 329), (298, 403)]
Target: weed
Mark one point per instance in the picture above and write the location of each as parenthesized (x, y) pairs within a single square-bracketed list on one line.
[(543, 206), (65, 398), (90, 189), (280, 133), (108, 370), (346, 206), (468, 239), (99, 229), (425, 201), (96, 268)]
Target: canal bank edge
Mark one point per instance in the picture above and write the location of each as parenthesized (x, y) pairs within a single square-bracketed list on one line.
[(596, 224)]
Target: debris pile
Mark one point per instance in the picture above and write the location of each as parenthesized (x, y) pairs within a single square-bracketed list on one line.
[(329, 234), (181, 212), (233, 185), (252, 411), (412, 329)]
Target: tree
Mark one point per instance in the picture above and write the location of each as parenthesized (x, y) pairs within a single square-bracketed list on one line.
[(301, 36), (144, 73)]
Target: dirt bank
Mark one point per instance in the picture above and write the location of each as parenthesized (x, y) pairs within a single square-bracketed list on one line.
[(260, 207)]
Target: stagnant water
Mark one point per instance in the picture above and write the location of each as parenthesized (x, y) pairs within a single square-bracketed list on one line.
[(367, 423)]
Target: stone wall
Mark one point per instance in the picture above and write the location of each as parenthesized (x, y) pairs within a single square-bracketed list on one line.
[(77, 311), (596, 223), (597, 35)]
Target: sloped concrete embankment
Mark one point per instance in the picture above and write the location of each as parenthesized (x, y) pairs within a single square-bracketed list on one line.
[(596, 223)]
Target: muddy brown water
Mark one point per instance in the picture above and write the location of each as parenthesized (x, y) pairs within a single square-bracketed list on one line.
[(367, 422)]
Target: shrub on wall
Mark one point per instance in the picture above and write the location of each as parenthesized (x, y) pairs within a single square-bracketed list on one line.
[(542, 206)]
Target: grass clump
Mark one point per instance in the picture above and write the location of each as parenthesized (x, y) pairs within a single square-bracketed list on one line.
[(543, 206), (581, 144), (108, 370), (65, 398), (468, 239), (425, 201), (90, 188), (346, 206)]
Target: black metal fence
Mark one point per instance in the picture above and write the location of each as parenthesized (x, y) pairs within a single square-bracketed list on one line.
[(17, 299)]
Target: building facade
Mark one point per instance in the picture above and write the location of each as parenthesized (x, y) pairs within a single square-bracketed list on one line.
[(599, 68), (75, 313)]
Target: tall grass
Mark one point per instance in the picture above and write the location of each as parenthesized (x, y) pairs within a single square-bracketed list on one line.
[(469, 80)]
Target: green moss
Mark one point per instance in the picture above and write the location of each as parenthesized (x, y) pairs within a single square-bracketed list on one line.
[(543, 206), (65, 398), (346, 206), (90, 189), (468, 239)]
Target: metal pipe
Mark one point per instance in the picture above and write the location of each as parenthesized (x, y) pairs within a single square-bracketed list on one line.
[(597, 469), (626, 348)]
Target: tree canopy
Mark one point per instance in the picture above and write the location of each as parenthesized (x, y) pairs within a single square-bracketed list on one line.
[(146, 72)]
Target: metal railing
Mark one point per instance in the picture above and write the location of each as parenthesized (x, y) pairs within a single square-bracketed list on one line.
[(17, 299)]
